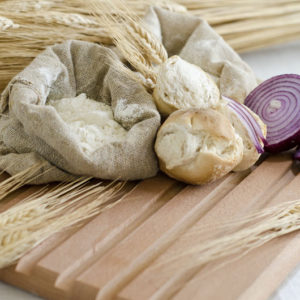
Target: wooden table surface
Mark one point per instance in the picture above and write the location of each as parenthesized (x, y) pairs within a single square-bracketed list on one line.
[(120, 253)]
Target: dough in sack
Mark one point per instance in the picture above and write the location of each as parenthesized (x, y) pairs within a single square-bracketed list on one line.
[(198, 146)]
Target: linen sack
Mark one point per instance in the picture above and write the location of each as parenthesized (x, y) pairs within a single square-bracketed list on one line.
[(32, 132), (195, 41)]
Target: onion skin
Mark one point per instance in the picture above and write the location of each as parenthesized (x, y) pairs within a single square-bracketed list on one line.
[(277, 102), (253, 128)]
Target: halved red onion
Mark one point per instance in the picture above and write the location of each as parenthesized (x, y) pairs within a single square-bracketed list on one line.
[(249, 122), (277, 102)]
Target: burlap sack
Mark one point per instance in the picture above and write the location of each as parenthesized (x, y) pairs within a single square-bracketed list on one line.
[(195, 41), (32, 132)]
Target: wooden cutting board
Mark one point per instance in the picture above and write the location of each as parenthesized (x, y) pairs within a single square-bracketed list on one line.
[(117, 254)]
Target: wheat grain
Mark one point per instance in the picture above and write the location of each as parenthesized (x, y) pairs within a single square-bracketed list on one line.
[(20, 179), (145, 42), (20, 217), (18, 6), (70, 19), (148, 44), (256, 230), (59, 208), (37, 205), (20, 45), (6, 24), (136, 44), (135, 58), (123, 42), (12, 237)]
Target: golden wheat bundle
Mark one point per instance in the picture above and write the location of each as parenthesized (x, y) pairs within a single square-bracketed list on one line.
[(234, 240), (48, 211), (28, 27), (138, 46), (15, 182)]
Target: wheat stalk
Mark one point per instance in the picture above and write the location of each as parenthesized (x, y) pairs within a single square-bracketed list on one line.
[(12, 237), (148, 45), (134, 56), (35, 205), (70, 19), (139, 47), (20, 217), (61, 207), (6, 24), (18, 6), (20, 45), (256, 230), (20, 179)]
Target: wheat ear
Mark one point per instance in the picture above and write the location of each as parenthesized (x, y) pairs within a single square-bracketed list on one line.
[(150, 46), (6, 24), (70, 19), (62, 207), (145, 41), (265, 226), (18, 180), (139, 47), (134, 56), (36, 204)]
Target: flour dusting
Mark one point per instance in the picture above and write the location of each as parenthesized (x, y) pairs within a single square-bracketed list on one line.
[(91, 122)]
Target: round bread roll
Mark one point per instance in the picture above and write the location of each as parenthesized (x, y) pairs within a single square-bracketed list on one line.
[(198, 146), (182, 85), (250, 154)]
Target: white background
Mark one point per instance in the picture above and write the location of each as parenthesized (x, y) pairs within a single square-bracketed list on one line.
[(266, 63)]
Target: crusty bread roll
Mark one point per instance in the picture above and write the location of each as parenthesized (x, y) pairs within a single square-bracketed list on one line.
[(198, 146), (183, 85), (250, 154)]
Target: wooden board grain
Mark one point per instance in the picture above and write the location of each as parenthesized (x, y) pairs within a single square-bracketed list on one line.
[(114, 254)]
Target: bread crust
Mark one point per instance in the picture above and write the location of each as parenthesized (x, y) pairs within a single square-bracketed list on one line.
[(218, 151)]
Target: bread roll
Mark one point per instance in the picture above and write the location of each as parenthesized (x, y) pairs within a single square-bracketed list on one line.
[(198, 146), (250, 154), (183, 85)]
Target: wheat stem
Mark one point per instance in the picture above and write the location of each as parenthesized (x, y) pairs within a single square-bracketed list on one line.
[(256, 230), (20, 179), (137, 45), (148, 45), (6, 24), (23, 226), (20, 45)]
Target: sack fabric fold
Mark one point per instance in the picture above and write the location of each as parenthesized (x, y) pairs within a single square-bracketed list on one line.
[(194, 40)]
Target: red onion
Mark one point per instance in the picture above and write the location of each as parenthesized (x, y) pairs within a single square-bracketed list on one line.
[(297, 154), (253, 128), (277, 102)]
